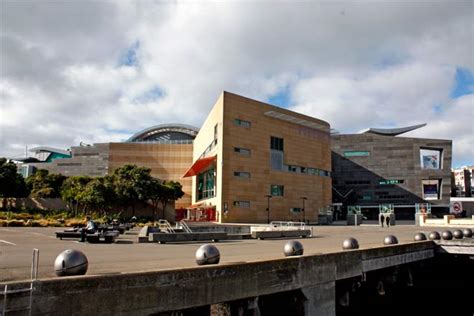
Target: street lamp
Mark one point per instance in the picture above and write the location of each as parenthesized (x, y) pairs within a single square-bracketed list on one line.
[(304, 217), (268, 196)]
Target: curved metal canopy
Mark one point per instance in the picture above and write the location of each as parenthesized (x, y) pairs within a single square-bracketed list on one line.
[(393, 131)]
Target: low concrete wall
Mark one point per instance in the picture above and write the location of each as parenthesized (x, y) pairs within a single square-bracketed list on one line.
[(229, 229), (160, 291), (448, 221)]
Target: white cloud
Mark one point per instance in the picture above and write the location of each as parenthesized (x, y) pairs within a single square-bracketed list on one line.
[(355, 64)]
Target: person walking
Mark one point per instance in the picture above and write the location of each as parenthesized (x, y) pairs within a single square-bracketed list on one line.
[(381, 219), (387, 220)]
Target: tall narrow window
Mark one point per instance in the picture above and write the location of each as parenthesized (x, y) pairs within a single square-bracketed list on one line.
[(215, 134), (206, 184), (276, 143)]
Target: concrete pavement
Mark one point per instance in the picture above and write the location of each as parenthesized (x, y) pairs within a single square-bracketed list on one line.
[(16, 245)]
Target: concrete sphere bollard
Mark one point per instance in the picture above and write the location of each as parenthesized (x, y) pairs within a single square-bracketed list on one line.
[(467, 232), (207, 254), (458, 234), (350, 243), (419, 236), (293, 248), (390, 240), (71, 262), (447, 235), (434, 236)]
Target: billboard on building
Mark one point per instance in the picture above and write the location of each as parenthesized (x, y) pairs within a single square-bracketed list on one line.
[(430, 158)]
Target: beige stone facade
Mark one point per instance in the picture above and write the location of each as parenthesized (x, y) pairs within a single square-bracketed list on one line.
[(166, 161), (239, 131)]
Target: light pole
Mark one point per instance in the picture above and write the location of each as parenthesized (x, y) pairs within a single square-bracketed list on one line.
[(268, 196), (304, 217)]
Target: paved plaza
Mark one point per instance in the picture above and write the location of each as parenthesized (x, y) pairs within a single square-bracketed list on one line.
[(126, 255)]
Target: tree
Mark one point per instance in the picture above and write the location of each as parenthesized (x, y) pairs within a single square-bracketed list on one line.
[(97, 195), (45, 185), (170, 191), (154, 193), (12, 184), (131, 184), (72, 188)]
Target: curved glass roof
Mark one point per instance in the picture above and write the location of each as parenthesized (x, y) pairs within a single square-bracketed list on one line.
[(166, 134)]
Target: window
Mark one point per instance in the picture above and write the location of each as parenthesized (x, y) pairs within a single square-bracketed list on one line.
[(215, 134), (324, 173), (242, 123), (242, 151), (295, 209), (356, 153), (430, 158), (276, 158), (276, 190), (241, 174), (242, 204), (357, 182), (431, 189), (292, 168), (206, 184), (70, 164), (276, 143)]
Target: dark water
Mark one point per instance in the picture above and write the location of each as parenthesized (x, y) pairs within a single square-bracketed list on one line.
[(443, 285), (440, 286)]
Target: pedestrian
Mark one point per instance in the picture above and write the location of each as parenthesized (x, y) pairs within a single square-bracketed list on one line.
[(387, 220), (90, 228), (381, 219)]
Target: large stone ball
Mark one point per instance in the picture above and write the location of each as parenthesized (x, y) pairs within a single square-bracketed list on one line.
[(293, 248), (434, 236), (207, 254), (447, 235), (458, 234), (350, 243), (419, 236), (71, 262), (390, 240), (467, 232)]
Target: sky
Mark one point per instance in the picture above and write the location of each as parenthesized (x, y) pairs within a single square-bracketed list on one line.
[(99, 71)]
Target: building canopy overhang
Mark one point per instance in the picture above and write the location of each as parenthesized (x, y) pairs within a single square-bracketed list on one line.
[(199, 165), (393, 131)]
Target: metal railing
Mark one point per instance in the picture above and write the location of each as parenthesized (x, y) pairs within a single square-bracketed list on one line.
[(279, 225), (185, 227), (164, 225), (34, 277)]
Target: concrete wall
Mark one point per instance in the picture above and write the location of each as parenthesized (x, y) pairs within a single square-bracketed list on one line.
[(40, 203), (391, 158), (86, 160), (161, 291)]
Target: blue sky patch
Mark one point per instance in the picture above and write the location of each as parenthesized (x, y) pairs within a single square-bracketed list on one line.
[(129, 58), (151, 95), (437, 108), (464, 83), (281, 98)]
